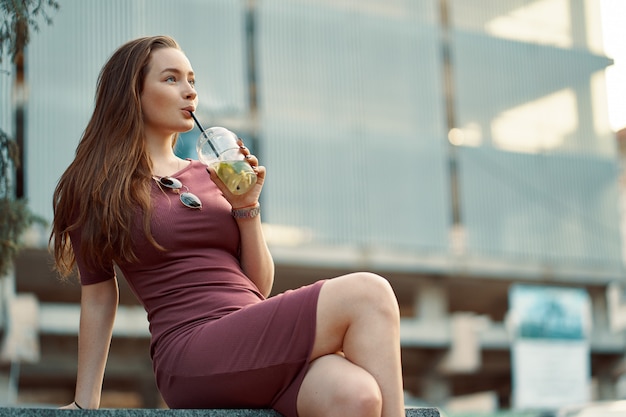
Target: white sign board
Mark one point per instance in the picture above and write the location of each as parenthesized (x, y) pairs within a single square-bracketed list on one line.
[(550, 347)]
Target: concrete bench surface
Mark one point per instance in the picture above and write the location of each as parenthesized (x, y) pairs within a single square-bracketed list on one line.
[(139, 412)]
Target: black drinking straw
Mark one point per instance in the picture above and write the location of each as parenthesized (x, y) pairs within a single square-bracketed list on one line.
[(203, 132), (197, 123)]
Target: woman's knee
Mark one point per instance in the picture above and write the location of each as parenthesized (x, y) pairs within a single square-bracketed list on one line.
[(375, 292), (374, 281), (355, 298), (334, 386), (360, 398)]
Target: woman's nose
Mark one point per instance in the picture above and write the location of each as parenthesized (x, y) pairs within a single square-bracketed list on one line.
[(191, 94)]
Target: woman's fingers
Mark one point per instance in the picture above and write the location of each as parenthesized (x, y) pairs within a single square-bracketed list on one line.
[(252, 160)]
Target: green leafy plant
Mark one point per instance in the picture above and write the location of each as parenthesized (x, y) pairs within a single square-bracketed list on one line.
[(19, 17)]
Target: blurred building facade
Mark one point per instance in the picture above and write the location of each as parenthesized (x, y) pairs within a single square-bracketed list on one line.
[(454, 146)]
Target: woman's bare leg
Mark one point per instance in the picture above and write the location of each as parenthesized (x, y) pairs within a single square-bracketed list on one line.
[(335, 387), (358, 315)]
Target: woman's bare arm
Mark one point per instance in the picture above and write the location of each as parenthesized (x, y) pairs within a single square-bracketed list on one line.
[(98, 307)]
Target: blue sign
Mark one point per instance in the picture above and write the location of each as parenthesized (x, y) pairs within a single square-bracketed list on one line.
[(540, 312)]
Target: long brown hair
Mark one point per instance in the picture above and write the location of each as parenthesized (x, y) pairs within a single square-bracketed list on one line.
[(109, 179)]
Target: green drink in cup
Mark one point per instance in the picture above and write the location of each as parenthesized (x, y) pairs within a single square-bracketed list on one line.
[(236, 175), (217, 147)]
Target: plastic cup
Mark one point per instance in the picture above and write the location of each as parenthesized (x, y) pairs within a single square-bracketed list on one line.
[(217, 147)]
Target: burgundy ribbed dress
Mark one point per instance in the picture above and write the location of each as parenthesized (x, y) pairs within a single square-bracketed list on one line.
[(216, 341)]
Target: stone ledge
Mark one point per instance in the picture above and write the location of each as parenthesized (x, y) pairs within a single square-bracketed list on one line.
[(139, 412)]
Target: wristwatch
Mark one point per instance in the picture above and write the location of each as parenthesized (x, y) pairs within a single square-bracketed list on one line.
[(246, 212)]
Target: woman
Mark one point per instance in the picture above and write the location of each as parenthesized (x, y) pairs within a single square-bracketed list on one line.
[(201, 268)]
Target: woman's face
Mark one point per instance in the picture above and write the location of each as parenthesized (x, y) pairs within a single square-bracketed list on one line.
[(168, 93)]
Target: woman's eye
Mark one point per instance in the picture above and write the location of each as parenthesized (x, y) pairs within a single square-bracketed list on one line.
[(192, 82), (171, 79)]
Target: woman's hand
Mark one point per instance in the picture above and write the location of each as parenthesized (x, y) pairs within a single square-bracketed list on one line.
[(71, 406), (251, 197)]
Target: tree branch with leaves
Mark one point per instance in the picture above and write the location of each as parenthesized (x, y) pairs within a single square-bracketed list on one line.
[(19, 18)]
